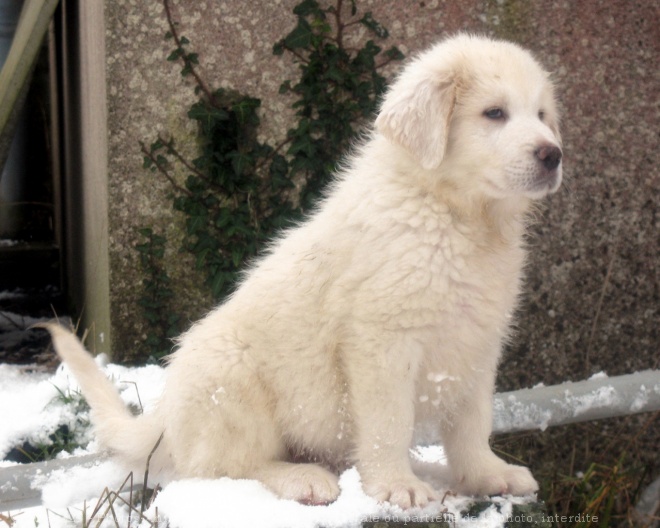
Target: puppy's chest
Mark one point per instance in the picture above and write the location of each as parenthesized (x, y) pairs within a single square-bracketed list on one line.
[(451, 279)]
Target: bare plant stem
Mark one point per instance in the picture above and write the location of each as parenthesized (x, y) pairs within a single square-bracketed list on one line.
[(177, 39), (163, 170), (594, 324)]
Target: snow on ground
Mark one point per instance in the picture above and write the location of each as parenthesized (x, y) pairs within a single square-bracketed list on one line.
[(32, 408)]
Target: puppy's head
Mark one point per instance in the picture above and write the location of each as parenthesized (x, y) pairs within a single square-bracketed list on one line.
[(480, 112)]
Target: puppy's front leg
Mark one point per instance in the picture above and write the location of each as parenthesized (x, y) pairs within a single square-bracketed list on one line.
[(381, 398), (475, 468)]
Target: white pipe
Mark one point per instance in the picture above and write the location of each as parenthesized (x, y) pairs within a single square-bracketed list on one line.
[(592, 399)]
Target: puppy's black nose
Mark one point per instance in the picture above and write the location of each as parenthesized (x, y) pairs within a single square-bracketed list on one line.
[(549, 156)]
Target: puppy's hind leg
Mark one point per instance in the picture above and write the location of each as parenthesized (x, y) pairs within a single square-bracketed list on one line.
[(260, 453), (232, 432), (264, 447)]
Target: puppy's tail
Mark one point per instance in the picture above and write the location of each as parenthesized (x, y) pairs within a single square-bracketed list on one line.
[(131, 437)]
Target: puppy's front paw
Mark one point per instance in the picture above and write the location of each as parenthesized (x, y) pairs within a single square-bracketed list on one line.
[(504, 479), (519, 480), (405, 492)]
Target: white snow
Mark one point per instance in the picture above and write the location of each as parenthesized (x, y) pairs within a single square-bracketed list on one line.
[(641, 399), (25, 410), (602, 397), (31, 410), (72, 486), (515, 414)]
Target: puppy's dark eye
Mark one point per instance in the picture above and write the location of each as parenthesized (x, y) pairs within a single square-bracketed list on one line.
[(541, 115), (494, 113)]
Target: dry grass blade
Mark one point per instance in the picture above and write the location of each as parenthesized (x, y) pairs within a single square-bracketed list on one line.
[(7, 519), (146, 479), (594, 325), (137, 391), (70, 518), (86, 523), (131, 508), (109, 499)]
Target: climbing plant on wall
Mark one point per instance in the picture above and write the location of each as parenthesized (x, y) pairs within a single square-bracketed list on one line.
[(238, 192)]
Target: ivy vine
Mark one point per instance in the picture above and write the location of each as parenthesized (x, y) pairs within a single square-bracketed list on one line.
[(338, 89), (238, 192), (157, 294)]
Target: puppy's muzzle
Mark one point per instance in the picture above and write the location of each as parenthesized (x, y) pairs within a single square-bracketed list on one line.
[(549, 156), (549, 173)]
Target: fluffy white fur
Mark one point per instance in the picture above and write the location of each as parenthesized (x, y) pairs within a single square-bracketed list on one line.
[(383, 312)]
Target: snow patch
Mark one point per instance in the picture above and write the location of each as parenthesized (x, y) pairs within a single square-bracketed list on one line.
[(520, 415), (602, 397), (28, 410), (62, 488), (31, 408), (641, 399), (226, 502)]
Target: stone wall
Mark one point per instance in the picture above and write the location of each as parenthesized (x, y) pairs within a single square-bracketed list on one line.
[(591, 301)]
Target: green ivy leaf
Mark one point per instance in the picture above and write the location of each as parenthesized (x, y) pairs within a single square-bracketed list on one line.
[(201, 258), (237, 257), (245, 110), (217, 284), (207, 115), (278, 48), (300, 37), (175, 55), (194, 224), (394, 53), (307, 8), (369, 21), (240, 162), (157, 145)]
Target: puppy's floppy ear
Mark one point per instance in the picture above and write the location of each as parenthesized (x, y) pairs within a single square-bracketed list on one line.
[(416, 113)]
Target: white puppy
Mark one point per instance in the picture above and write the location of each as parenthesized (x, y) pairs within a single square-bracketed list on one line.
[(383, 312)]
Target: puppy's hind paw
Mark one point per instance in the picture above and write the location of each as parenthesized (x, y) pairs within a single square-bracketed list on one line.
[(305, 483)]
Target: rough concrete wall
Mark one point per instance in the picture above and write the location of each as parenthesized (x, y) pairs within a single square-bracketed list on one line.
[(147, 97), (604, 57)]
